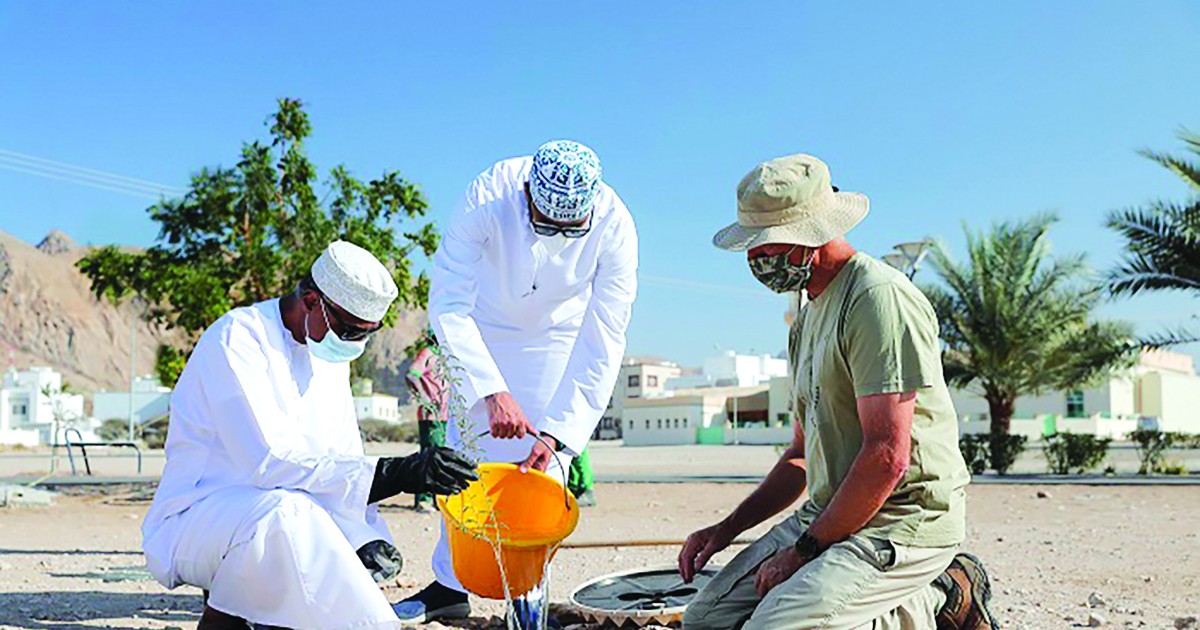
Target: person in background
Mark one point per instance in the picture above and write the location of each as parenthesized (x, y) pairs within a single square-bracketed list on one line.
[(580, 479), (426, 380)]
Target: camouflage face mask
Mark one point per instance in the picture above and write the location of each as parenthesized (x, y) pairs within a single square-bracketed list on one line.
[(778, 273)]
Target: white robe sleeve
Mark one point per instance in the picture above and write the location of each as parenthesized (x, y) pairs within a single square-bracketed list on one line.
[(591, 373), (372, 526), (254, 430), (453, 292)]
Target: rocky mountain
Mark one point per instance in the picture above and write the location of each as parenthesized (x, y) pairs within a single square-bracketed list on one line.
[(48, 317)]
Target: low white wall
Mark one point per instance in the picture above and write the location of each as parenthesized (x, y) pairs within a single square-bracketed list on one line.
[(640, 436), (760, 435), (1116, 428), (20, 437)]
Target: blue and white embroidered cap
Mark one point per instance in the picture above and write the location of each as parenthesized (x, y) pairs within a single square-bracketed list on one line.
[(564, 180)]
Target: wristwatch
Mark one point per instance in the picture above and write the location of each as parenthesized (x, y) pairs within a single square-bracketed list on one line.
[(808, 547)]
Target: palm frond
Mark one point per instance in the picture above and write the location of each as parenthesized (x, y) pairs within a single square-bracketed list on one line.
[(1162, 248), (1015, 319), (1187, 171), (1168, 338)]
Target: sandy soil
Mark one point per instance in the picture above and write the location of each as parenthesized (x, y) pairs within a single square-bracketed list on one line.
[(1138, 549)]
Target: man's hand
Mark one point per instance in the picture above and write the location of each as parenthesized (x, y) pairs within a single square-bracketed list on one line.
[(700, 547), (382, 559), (777, 570), (439, 470), (505, 417), (540, 454)]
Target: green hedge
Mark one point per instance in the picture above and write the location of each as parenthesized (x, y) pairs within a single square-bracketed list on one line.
[(1079, 452), (1152, 448)]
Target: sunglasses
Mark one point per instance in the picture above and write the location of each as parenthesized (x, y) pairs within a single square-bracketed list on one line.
[(346, 331), (569, 231), (542, 228)]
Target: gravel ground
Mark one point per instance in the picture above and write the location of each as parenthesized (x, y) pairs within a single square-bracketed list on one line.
[(1133, 552)]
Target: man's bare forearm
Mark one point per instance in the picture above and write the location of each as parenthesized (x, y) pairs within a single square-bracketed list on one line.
[(781, 488), (872, 477)]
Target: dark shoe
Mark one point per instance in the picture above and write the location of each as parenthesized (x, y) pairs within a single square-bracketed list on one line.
[(968, 591), (434, 602), (213, 619)]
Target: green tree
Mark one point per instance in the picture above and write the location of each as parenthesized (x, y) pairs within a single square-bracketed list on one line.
[(1162, 238), (1016, 321), (249, 233)]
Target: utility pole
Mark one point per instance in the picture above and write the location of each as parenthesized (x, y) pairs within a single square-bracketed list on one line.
[(132, 343), (735, 415)]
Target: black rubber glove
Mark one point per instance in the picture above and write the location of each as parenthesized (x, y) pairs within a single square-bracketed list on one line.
[(438, 470), (381, 559)]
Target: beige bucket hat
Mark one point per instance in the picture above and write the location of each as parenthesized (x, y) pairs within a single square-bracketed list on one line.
[(791, 200)]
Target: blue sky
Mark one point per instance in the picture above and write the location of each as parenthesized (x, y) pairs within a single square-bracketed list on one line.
[(942, 113)]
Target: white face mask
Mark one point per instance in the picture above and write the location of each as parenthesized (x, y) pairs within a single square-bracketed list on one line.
[(331, 348), (554, 244)]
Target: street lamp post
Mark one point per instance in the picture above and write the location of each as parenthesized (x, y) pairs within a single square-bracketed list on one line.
[(140, 307), (735, 419), (908, 256)]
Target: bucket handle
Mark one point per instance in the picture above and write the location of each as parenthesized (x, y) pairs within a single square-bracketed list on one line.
[(562, 469)]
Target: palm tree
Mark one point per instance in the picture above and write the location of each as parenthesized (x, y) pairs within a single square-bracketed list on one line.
[(1016, 321), (1162, 238)]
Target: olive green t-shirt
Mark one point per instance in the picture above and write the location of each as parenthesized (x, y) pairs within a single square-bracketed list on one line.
[(873, 332)]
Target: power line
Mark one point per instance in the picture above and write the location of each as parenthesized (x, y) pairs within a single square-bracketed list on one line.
[(64, 165), (80, 182), (84, 176)]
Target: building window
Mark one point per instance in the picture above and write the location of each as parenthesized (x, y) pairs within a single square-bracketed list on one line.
[(1075, 405), (635, 380), (687, 422), (631, 425), (647, 424), (652, 380), (659, 423)]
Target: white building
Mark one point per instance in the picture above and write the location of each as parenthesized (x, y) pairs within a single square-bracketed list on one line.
[(733, 370), (150, 401), (1162, 390), (672, 419), (34, 409), (377, 407), (743, 370), (638, 378), (758, 414)]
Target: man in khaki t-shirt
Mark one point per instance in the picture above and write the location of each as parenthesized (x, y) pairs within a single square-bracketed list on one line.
[(876, 444)]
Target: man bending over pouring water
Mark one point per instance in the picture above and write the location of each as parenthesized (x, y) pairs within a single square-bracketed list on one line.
[(531, 294)]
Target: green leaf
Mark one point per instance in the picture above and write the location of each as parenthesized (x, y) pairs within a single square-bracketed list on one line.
[(249, 233)]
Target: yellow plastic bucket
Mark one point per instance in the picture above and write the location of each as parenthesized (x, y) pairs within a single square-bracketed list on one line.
[(525, 514)]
